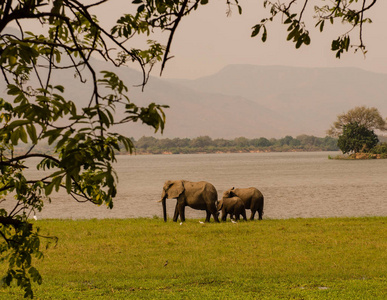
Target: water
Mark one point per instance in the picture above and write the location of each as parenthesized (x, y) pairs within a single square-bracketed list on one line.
[(293, 184)]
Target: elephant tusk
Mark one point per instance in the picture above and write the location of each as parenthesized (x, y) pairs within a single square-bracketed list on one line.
[(159, 201)]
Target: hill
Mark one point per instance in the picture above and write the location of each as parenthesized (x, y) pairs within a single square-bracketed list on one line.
[(246, 100), (309, 99)]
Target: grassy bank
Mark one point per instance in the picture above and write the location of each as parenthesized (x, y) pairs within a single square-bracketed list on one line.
[(338, 258), (359, 156)]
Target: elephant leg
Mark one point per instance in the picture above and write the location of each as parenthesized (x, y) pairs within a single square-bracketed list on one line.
[(216, 217), (224, 216), (244, 215), (252, 214), (212, 209), (208, 215), (237, 217), (182, 212), (176, 214)]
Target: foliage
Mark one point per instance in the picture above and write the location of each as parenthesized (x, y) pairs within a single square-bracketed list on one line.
[(380, 149), (357, 138), (369, 117), (36, 109), (292, 13), (327, 258)]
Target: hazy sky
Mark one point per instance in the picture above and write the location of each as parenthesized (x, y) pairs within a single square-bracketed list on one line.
[(207, 40)]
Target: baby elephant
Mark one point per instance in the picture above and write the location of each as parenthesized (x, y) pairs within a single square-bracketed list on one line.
[(233, 206)]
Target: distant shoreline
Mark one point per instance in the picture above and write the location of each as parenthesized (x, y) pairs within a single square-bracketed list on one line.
[(360, 156), (226, 152), (354, 156)]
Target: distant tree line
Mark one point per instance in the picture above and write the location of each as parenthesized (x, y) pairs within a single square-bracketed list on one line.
[(205, 144)]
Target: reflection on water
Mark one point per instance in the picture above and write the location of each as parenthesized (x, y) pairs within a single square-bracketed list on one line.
[(294, 185)]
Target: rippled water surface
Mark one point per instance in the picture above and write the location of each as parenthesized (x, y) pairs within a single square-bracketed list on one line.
[(293, 184)]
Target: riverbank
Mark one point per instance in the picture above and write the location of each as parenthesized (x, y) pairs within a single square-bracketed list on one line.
[(328, 258), (215, 151), (360, 156)]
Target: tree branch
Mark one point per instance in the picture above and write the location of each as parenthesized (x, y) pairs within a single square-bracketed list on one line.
[(177, 21), (5, 221)]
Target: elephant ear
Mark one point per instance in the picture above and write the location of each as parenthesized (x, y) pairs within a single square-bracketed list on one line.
[(226, 194), (175, 189), (232, 193)]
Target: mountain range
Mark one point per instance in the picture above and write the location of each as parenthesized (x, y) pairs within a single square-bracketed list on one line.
[(266, 101), (247, 100)]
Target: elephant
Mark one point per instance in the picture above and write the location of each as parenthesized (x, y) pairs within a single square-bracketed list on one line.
[(200, 195), (233, 206), (251, 197)]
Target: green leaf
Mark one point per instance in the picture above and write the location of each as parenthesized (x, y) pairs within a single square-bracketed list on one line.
[(264, 35), (32, 133), (256, 30), (57, 181), (59, 88), (335, 45), (299, 43), (23, 135), (291, 35), (68, 184), (322, 26), (347, 43), (52, 135), (17, 123), (48, 188), (15, 137)]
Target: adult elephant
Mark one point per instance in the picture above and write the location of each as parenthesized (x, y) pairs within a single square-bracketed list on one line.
[(200, 195), (251, 197)]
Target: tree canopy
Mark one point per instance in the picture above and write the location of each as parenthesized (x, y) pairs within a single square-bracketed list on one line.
[(36, 108), (368, 117), (357, 138)]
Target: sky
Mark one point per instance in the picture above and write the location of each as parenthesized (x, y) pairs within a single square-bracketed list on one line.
[(208, 40)]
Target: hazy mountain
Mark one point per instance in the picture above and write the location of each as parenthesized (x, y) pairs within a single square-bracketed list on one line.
[(245, 100), (310, 98)]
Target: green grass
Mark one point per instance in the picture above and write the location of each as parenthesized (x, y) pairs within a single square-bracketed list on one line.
[(333, 258)]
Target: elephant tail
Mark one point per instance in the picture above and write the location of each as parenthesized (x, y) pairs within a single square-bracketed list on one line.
[(260, 208)]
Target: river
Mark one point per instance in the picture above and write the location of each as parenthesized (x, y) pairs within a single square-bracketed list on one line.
[(295, 185)]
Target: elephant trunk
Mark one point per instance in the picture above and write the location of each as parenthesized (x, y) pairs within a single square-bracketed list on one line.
[(163, 201)]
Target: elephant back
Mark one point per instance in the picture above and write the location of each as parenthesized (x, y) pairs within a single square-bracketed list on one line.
[(251, 196), (200, 195)]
